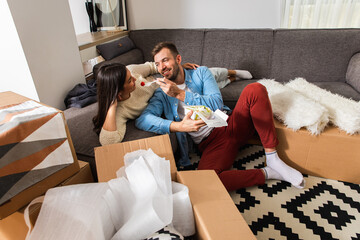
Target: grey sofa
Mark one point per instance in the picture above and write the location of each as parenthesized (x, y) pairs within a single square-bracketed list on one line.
[(329, 58)]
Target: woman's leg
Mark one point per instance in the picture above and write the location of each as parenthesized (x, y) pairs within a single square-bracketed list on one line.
[(238, 74), (221, 76)]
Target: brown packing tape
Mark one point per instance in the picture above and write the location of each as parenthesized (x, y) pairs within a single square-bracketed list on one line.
[(333, 154), (26, 196)]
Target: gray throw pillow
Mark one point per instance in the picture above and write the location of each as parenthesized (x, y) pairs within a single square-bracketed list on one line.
[(115, 48), (353, 72)]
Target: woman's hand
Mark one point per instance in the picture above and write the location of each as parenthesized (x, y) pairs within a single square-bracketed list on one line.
[(190, 66), (113, 105)]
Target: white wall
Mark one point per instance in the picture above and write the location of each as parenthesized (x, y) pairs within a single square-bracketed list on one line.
[(79, 16), (144, 14), (15, 73), (48, 39)]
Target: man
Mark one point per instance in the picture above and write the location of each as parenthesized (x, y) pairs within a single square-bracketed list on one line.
[(219, 146)]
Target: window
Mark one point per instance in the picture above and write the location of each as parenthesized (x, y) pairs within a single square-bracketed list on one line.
[(320, 14)]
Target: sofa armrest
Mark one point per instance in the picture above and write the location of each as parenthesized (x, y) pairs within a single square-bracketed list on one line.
[(80, 125), (353, 72)]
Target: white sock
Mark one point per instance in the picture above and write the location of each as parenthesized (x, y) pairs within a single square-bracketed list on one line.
[(272, 174), (242, 74), (279, 170)]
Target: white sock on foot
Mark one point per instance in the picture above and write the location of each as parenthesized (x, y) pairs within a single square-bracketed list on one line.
[(286, 172), (242, 74), (272, 174)]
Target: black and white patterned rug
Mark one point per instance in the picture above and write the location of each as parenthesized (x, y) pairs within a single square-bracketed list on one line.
[(324, 209)]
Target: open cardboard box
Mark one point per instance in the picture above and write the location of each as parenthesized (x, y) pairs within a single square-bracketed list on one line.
[(26, 196), (216, 216), (333, 154)]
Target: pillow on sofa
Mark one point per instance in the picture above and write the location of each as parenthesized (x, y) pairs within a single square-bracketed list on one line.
[(115, 48), (353, 72)]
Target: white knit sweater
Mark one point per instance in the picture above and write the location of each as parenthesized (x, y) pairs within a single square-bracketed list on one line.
[(133, 106)]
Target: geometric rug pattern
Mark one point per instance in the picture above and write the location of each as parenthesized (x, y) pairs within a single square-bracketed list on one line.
[(324, 209), (33, 145)]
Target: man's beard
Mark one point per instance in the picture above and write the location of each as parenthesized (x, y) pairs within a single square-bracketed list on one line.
[(175, 72)]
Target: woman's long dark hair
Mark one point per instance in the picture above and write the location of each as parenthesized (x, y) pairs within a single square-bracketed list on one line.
[(110, 81)]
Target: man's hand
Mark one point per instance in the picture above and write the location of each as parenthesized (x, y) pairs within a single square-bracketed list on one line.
[(171, 89), (187, 124)]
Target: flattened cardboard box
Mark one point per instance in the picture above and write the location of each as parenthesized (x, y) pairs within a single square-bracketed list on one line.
[(14, 226), (333, 154), (30, 190), (216, 216)]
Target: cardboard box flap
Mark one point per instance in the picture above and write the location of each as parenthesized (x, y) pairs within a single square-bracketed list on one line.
[(110, 158), (216, 215)]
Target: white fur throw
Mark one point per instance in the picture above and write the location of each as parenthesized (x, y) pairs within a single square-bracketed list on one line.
[(295, 110), (343, 112)]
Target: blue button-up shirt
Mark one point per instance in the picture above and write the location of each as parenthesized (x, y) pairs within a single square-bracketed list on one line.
[(205, 91)]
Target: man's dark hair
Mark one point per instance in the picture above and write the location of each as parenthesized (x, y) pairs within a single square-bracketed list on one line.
[(168, 45)]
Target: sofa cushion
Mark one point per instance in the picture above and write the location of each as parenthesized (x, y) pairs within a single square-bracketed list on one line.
[(340, 88), (231, 92), (134, 56), (320, 55), (353, 72), (115, 48), (189, 42), (239, 49)]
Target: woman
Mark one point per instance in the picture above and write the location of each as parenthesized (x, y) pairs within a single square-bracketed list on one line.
[(122, 96)]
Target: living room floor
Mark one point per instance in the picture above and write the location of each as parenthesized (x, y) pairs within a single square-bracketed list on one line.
[(324, 209)]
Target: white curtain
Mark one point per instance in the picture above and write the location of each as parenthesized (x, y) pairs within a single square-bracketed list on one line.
[(320, 14)]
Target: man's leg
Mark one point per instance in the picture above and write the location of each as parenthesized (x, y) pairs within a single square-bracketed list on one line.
[(218, 153), (252, 112), (221, 147), (254, 102)]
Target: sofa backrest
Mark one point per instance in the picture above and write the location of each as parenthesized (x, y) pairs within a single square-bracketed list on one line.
[(239, 49), (189, 42), (318, 55)]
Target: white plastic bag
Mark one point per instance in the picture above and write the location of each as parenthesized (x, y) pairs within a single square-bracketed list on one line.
[(75, 212)]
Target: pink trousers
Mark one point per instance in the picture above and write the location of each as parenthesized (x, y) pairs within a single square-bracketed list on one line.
[(252, 113)]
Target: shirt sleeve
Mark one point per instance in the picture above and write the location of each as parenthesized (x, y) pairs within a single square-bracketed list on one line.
[(145, 69), (208, 93), (111, 137), (150, 119)]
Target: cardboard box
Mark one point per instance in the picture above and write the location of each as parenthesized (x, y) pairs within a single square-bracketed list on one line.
[(216, 216), (14, 227), (333, 154), (25, 196)]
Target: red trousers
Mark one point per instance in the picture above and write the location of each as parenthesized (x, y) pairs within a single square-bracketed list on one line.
[(252, 113)]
